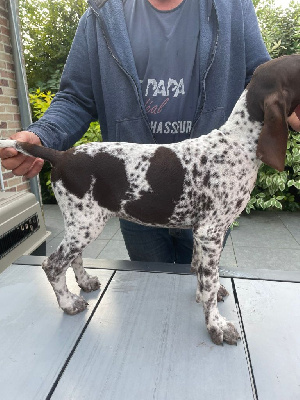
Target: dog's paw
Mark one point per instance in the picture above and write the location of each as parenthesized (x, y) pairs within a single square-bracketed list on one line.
[(74, 304), (90, 284), (222, 292), (223, 331)]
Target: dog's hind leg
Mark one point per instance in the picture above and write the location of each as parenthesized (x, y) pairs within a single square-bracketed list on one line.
[(82, 226), (55, 268), (86, 234), (197, 266), (85, 281), (208, 287)]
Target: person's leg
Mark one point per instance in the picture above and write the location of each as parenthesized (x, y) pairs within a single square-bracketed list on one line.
[(146, 243), (226, 236), (183, 244)]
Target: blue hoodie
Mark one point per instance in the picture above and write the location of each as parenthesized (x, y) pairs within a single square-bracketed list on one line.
[(100, 80)]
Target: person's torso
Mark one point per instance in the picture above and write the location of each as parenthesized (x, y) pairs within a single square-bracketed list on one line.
[(166, 53)]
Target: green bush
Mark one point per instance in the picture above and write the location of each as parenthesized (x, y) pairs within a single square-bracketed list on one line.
[(48, 28), (280, 27), (279, 190), (39, 102)]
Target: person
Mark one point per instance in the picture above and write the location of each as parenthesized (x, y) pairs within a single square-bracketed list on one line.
[(151, 71)]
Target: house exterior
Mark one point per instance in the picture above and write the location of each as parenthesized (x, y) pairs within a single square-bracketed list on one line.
[(10, 116)]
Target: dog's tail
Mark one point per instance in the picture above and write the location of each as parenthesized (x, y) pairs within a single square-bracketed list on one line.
[(32, 150)]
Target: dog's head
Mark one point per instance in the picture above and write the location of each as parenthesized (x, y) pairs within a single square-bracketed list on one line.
[(273, 94)]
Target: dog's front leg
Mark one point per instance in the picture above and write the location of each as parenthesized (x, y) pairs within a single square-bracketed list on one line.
[(219, 328), (197, 268)]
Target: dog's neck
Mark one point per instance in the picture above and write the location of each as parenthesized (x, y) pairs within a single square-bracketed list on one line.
[(241, 127)]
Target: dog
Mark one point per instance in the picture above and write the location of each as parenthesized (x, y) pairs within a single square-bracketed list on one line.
[(202, 183)]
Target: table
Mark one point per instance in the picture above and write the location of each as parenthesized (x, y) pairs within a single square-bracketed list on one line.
[(143, 336)]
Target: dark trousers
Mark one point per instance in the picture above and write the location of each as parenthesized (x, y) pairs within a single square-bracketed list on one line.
[(147, 243)]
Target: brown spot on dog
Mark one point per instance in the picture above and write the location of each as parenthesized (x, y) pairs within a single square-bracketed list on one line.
[(165, 176), (206, 180), (203, 159), (77, 172)]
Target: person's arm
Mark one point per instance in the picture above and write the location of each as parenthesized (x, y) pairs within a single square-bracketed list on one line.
[(68, 116), (73, 107), (255, 49)]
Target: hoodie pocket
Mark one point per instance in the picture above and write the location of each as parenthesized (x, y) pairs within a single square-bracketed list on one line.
[(208, 121), (133, 131)]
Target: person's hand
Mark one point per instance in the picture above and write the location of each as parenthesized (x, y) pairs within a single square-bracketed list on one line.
[(20, 164), (294, 119)]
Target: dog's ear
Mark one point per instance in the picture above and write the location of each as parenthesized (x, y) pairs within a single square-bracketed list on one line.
[(272, 143)]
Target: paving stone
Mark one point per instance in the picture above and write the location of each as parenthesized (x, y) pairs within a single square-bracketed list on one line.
[(264, 258), (52, 211), (267, 235), (114, 250)]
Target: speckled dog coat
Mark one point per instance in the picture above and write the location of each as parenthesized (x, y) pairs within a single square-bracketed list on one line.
[(201, 184)]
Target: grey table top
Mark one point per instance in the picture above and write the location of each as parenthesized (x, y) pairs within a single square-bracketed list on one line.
[(143, 337)]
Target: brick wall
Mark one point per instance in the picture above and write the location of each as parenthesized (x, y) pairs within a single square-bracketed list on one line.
[(10, 120)]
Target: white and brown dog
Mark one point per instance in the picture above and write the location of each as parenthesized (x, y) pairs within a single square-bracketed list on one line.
[(202, 184)]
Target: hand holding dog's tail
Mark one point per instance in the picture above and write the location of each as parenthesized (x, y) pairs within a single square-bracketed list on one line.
[(24, 154), (19, 163)]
